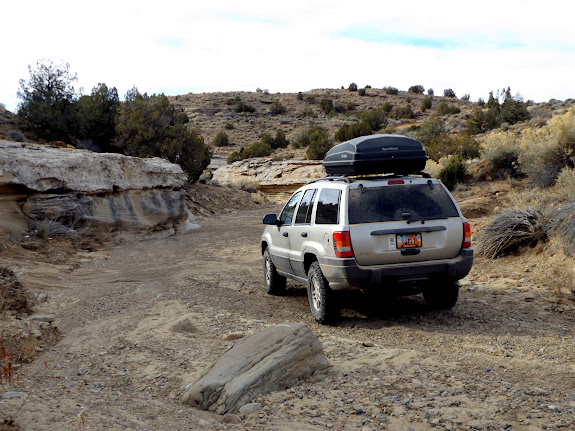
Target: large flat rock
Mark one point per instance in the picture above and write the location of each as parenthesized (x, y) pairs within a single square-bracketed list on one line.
[(124, 195)]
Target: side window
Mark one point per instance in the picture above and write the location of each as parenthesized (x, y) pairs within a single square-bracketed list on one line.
[(327, 211), (303, 215), (286, 216)]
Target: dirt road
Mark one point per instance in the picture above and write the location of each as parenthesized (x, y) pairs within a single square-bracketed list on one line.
[(143, 320)]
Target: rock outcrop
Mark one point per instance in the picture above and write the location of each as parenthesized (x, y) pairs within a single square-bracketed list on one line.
[(124, 195), (270, 173), (272, 359)]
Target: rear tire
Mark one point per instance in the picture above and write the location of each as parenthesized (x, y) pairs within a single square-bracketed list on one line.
[(441, 295), (274, 283), (322, 300)]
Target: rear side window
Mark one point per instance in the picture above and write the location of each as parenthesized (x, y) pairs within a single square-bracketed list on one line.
[(327, 211), (286, 216), (399, 202), (303, 215)]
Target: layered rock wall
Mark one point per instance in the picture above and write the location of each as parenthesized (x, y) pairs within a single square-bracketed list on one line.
[(125, 195)]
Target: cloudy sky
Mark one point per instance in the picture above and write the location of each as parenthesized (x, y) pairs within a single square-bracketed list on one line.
[(177, 47)]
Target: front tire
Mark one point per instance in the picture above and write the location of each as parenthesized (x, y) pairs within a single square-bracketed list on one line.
[(442, 295), (322, 300), (274, 283)]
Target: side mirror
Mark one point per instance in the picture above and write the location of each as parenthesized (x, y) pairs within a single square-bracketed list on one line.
[(271, 219)]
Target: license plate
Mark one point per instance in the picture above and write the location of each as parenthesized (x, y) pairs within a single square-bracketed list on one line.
[(408, 240)]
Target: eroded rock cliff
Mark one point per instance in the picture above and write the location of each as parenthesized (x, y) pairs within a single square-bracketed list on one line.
[(124, 195)]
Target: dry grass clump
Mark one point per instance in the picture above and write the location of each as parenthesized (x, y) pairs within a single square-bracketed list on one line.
[(546, 151), (510, 232), (565, 185), (563, 228), (501, 152), (247, 185)]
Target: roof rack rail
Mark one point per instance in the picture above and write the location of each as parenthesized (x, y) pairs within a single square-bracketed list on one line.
[(342, 178), (347, 179)]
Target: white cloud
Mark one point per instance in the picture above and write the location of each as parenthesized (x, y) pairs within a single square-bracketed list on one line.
[(180, 46)]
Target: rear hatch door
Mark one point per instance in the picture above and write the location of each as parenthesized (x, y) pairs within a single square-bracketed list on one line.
[(402, 221)]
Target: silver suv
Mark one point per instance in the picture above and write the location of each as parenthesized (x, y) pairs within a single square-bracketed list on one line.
[(402, 234)]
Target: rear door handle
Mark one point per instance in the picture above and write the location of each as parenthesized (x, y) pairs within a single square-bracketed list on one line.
[(284, 233), (304, 234)]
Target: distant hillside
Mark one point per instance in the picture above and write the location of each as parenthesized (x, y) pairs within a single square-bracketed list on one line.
[(214, 112)]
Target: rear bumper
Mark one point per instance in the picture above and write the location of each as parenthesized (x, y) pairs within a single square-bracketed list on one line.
[(347, 274)]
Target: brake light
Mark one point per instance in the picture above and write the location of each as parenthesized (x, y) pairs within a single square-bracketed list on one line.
[(466, 235), (342, 244), (394, 182)]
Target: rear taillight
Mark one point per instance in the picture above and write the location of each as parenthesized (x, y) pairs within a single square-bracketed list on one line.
[(395, 182), (342, 244), (466, 235)]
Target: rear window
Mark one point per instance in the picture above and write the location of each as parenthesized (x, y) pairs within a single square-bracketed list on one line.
[(399, 202)]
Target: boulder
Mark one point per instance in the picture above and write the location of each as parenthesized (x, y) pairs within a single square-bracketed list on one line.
[(125, 195), (273, 359)]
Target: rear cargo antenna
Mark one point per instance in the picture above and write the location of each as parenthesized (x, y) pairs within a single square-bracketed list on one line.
[(430, 184), (361, 188)]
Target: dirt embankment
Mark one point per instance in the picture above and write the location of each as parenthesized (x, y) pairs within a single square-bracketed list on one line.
[(139, 321)]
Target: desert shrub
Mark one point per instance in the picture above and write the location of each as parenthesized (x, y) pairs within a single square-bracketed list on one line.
[(299, 95), (222, 139), (339, 108), (306, 137), (308, 112), (387, 107), (374, 118), (501, 152), (563, 228), (349, 131), (446, 109), (546, 151), (465, 145), (229, 126), (15, 135), (149, 126), (404, 112), (241, 106), (565, 185), (466, 97), (391, 90), (280, 140), (326, 105), (448, 92), (430, 92), (247, 185), (276, 108), (416, 89), (512, 231), (318, 148), (352, 87), (513, 109), (361, 92), (454, 172), (426, 103), (235, 156), (309, 98), (430, 130)]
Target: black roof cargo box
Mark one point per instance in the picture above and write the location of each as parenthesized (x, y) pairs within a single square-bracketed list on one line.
[(376, 154)]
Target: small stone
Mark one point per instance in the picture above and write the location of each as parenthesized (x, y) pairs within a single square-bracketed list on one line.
[(368, 344), (234, 336), (250, 408), (231, 419), (9, 395), (43, 318)]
